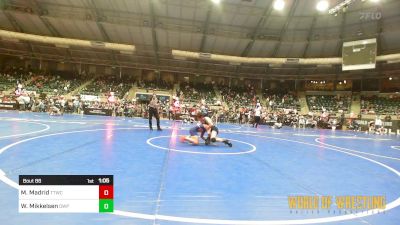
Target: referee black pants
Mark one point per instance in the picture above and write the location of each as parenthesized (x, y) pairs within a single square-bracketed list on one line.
[(153, 112), (256, 121)]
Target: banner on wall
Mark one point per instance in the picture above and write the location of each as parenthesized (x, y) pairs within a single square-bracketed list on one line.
[(90, 98), (98, 112), (8, 105), (394, 124), (146, 97)]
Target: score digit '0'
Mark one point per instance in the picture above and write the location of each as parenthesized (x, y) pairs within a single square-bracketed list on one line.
[(104, 180)]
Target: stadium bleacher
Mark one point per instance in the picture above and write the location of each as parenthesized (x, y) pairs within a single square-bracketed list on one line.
[(330, 103), (380, 105), (195, 93), (103, 85)]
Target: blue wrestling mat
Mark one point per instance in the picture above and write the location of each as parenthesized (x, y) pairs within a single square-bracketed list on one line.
[(159, 180)]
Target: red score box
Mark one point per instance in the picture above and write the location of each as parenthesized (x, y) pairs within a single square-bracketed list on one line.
[(106, 192)]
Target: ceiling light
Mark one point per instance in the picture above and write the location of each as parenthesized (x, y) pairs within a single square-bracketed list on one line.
[(216, 1), (374, 0), (390, 78), (279, 5), (341, 6), (322, 5)]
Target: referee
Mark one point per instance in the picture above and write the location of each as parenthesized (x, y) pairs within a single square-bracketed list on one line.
[(153, 111)]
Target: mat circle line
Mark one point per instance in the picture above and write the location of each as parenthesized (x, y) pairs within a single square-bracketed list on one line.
[(395, 147), (253, 148), (47, 127)]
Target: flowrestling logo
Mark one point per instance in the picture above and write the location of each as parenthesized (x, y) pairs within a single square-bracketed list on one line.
[(370, 16)]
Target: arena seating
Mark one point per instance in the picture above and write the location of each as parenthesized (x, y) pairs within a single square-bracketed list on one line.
[(238, 97), (332, 103), (38, 81), (102, 85), (10, 78), (53, 85), (380, 105), (155, 85), (194, 93), (282, 99), (7, 81)]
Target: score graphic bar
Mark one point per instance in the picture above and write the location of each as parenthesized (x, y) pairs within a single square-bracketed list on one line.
[(66, 193)]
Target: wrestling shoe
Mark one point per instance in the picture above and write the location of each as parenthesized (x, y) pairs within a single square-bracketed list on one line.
[(227, 142)]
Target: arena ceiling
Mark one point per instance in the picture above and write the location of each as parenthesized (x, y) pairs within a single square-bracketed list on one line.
[(250, 28)]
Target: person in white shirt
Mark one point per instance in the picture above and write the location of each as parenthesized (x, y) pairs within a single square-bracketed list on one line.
[(271, 104), (176, 107), (257, 115), (378, 125), (302, 122), (378, 122), (249, 114)]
